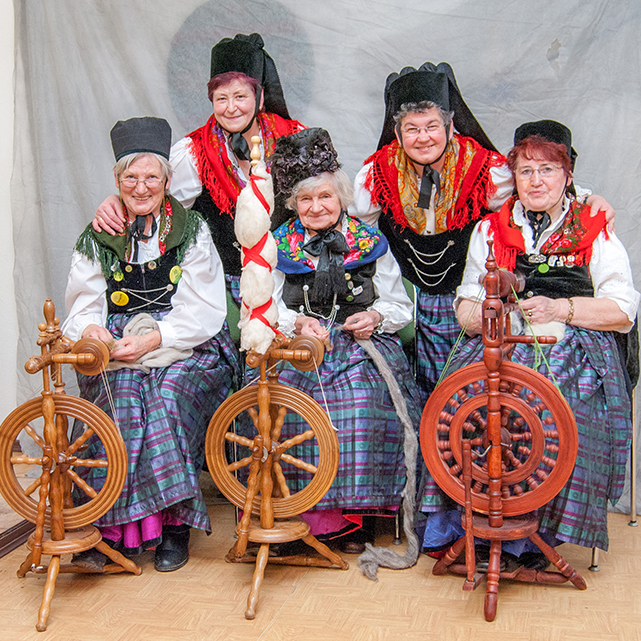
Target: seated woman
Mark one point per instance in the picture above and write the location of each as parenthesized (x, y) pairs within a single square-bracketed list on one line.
[(211, 164), (156, 295), (337, 280), (579, 288)]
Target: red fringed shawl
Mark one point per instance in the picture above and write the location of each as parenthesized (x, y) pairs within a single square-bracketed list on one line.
[(573, 239), (472, 187), (216, 171)]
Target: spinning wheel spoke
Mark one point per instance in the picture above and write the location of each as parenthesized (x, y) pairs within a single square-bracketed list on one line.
[(26, 460), (237, 465), (89, 462), (28, 491), (80, 441), (34, 436), (301, 465), (282, 483), (241, 440), (83, 485)]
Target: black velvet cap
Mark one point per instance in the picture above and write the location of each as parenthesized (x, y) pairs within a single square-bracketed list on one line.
[(550, 130), (307, 153), (434, 83), (141, 135), (246, 54)]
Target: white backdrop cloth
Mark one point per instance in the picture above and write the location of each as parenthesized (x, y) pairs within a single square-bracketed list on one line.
[(81, 66)]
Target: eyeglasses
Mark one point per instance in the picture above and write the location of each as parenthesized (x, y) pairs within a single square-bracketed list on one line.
[(151, 183), (413, 132), (546, 171)]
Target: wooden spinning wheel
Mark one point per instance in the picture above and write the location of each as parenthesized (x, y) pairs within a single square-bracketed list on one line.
[(499, 439), (61, 527), (535, 425), (265, 493)]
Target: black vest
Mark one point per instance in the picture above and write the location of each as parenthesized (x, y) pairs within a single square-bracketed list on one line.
[(556, 281), (147, 287), (434, 263), (360, 292)]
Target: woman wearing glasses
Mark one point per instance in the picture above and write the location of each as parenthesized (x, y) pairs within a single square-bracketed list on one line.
[(579, 288), (156, 295)]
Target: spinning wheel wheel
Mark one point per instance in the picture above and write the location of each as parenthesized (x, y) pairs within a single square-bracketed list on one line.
[(535, 425), (283, 399), (67, 459)]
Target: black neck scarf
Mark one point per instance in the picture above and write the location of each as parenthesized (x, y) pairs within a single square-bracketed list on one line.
[(430, 178), (330, 246), (137, 232), (539, 222), (237, 141)]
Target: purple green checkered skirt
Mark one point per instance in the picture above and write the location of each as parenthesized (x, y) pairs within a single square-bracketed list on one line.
[(436, 332), (371, 471), (588, 370), (163, 418)]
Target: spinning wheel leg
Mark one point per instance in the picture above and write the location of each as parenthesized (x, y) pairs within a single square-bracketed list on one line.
[(313, 542), (47, 596), (119, 558), (493, 573), (259, 573), (440, 567), (561, 564), (26, 565)]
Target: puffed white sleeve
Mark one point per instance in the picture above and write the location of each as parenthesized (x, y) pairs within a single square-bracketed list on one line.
[(85, 299), (199, 305), (185, 182), (393, 303), (470, 289), (612, 276), (362, 206), (503, 182), (286, 316)]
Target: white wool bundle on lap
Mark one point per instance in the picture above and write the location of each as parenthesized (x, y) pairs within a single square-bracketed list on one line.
[(251, 224)]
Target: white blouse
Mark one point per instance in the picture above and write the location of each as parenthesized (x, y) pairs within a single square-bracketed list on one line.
[(392, 301), (199, 305), (609, 266), (185, 182)]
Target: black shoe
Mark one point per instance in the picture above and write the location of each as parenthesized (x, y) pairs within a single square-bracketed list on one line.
[(92, 559), (173, 551), (534, 561)]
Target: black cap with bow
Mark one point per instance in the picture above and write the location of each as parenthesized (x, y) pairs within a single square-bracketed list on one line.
[(550, 130), (136, 135), (246, 54), (434, 83)]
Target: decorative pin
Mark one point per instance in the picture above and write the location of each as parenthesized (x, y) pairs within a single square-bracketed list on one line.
[(349, 298), (543, 268), (119, 298), (152, 265), (175, 274), (535, 259), (348, 276), (357, 290), (129, 268), (118, 276)]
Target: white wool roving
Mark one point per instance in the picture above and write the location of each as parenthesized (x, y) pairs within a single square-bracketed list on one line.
[(251, 224)]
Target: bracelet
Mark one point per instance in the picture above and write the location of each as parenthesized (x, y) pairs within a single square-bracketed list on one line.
[(568, 320)]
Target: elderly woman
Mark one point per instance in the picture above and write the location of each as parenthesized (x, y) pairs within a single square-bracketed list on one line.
[(337, 280), (155, 295), (579, 287), (211, 164)]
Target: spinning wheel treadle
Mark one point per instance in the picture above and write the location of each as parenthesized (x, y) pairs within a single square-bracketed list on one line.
[(69, 460), (282, 400), (536, 423)]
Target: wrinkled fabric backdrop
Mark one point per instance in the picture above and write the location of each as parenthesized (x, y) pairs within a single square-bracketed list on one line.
[(81, 66)]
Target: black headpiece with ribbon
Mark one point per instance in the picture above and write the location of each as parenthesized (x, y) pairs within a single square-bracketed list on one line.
[(136, 135), (302, 155), (246, 54), (549, 130)]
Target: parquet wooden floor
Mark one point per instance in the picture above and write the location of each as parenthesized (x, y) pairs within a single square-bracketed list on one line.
[(206, 601)]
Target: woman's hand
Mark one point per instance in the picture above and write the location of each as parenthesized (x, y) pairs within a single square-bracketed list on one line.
[(307, 326), (100, 333), (541, 309), (362, 324), (109, 216), (599, 203), (130, 348)]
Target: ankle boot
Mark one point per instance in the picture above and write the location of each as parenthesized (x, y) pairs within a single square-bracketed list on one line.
[(173, 551)]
